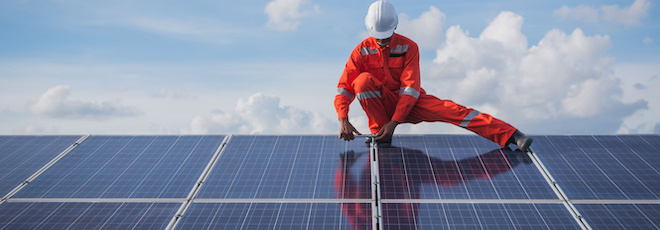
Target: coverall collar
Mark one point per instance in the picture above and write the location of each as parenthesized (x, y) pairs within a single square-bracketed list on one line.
[(395, 37)]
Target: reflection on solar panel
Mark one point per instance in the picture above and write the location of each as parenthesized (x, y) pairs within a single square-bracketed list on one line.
[(431, 167), (22, 156), (321, 182)]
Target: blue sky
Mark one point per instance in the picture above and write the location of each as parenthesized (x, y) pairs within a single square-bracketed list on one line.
[(127, 67)]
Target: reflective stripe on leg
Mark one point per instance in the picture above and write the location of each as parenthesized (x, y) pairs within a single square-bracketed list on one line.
[(468, 118), (369, 94)]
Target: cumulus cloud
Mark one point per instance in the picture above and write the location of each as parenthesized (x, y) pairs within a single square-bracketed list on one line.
[(564, 79), (262, 114), (628, 16), (426, 30), (57, 103), (285, 15)]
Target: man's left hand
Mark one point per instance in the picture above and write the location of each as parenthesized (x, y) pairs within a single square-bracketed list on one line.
[(386, 132)]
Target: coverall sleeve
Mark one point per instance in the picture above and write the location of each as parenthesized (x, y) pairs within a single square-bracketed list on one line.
[(410, 85), (345, 92)]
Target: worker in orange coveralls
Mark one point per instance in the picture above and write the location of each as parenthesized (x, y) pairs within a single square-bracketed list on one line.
[(402, 175), (383, 74)]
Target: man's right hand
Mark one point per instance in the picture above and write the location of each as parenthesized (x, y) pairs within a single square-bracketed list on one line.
[(346, 130)]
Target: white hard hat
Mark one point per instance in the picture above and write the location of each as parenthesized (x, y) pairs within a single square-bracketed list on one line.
[(381, 20)]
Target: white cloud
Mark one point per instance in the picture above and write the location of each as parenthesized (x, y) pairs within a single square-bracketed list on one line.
[(261, 114), (426, 30), (564, 79), (581, 13), (57, 103), (628, 16), (176, 94), (285, 15), (647, 40), (641, 81)]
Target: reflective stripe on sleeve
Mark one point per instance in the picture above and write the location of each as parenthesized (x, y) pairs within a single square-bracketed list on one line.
[(367, 50), (409, 91), (367, 95), (345, 92), (468, 118)]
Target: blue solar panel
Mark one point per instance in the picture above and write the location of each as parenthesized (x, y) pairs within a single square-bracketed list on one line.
[(457, 167), (602, 167), (476, 216), (322, 182), (86, 215), (22, 156), (273, 216), (621, 216), (289, 167), (127, 167)]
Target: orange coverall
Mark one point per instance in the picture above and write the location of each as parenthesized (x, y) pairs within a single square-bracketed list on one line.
[(386, 81)]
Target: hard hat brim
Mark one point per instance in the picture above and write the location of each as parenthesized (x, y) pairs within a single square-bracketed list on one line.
[(381, 35)]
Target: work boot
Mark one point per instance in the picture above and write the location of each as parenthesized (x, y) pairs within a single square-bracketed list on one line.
[(521, 140)]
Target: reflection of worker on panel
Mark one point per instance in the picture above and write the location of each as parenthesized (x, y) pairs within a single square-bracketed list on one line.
[(403, 171), (383, 74)]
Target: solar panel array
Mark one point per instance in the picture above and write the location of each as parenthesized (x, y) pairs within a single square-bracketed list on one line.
[(321, 182)]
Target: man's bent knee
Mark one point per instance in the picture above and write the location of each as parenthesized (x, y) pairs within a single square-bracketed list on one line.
[(365, 82)]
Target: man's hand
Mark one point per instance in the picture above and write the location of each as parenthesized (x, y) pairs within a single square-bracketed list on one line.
[(386, 132), (346, 130)]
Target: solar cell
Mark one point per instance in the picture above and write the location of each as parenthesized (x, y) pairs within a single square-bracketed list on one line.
[(476, 216), (457, 167), (602, 167), (86, 215), (290, 167), (272, 216), (22, 156), (127, 167), (322, 182), (621, 216)]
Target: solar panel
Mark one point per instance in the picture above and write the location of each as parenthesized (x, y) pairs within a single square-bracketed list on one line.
[(621, 216), (291, 167), (322, 182), (126, 167), (86, 215), (458, 167), (602, 167), (273, 216), (476, 216), (22, 156)]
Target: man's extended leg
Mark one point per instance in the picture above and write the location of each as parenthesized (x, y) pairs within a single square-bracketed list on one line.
[(430, 108)]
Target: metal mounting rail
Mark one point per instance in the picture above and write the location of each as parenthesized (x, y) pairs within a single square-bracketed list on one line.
[(195, 190), (42, 169), (376, 204), (97, 200), (560, 193)]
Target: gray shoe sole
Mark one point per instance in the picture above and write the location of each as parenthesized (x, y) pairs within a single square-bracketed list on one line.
[(524, 143)]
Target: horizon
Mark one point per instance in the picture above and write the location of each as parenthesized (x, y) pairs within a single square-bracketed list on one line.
[(271, 67)]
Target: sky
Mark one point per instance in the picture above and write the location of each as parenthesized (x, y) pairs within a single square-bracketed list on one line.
[(272, 66)]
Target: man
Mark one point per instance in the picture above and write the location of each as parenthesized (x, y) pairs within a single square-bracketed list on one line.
[(383, 74)]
